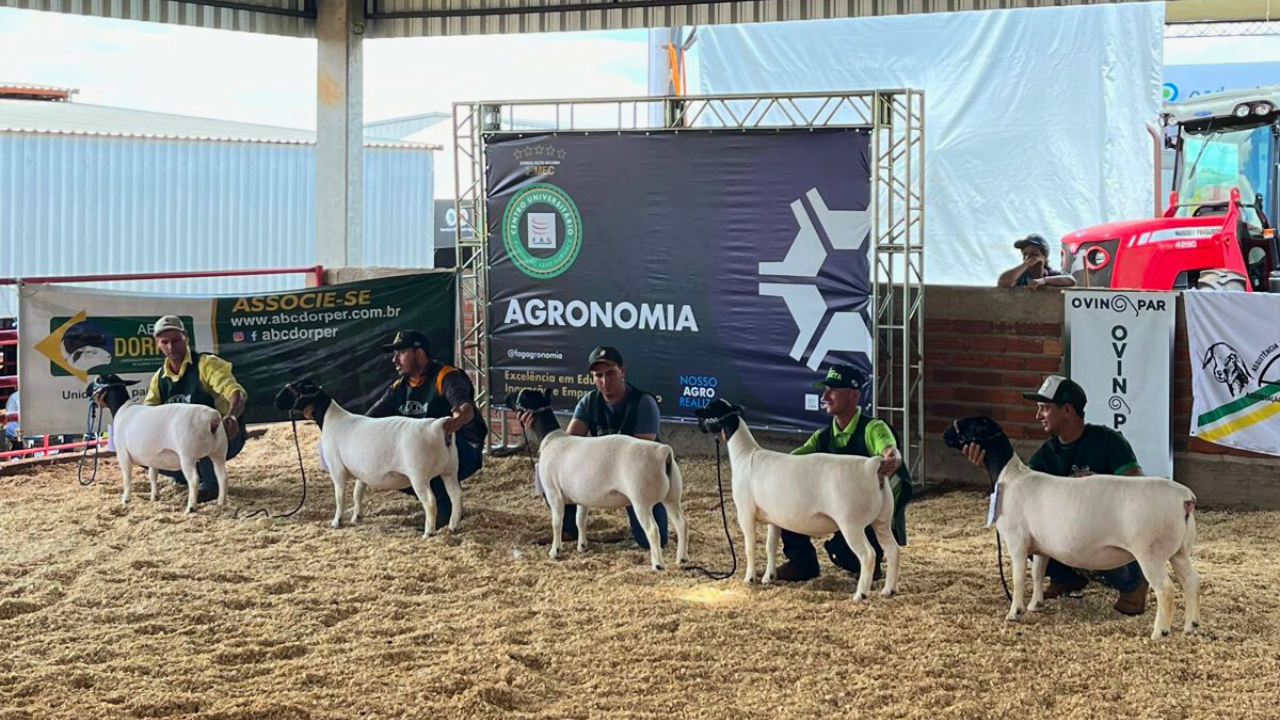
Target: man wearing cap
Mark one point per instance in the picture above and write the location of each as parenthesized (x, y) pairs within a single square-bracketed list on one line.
[(851, 432), (615, 407), (427, 388), (199, 379), (1034, 273), (1077, 449)]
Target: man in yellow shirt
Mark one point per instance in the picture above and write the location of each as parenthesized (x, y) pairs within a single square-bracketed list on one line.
[(851, 432), (200, 379)]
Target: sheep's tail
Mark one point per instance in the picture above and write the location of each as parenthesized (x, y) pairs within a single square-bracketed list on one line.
[(1189, 517), (214, 424), (675, 480)]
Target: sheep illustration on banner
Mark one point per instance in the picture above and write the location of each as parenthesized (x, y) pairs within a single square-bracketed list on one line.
[(1233, 342)]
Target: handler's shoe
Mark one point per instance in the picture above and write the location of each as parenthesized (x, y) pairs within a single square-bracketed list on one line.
[(1056, 589), (1133, 602), (791, 572)]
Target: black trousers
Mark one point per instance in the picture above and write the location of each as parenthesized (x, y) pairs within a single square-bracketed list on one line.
[(799, 551)]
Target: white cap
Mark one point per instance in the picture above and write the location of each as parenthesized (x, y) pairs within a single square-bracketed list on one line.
[(169, 322)]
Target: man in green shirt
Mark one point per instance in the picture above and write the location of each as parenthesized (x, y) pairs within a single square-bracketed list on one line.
[(1077, 449), (851, 432)]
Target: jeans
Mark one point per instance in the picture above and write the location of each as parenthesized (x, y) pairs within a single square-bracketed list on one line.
[(799, 551), (470, 460), (1125, 578), (204, 467), (637, 530)]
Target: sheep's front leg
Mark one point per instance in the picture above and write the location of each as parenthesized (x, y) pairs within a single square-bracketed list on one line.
[(126, 478), (581, 517), (1039, 563), (1018, 559), (154, 476), (747, 522), (357, 502), (556, 501), (193, 481), (772, 533), (339, 476)]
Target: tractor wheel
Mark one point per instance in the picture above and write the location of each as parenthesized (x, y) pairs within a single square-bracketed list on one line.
[(1222, 280)]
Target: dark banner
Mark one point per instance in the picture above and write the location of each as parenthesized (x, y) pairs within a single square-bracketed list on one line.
[(333, 334), (729, 265)]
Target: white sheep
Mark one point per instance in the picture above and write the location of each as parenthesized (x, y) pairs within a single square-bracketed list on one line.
[(162, 437), (388, 453), (1097, 522), (611, 471), (808, 494)]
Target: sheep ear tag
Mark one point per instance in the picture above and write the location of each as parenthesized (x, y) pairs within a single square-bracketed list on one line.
[(993, 510)]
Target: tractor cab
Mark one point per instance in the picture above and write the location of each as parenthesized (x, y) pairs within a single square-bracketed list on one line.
[(1217, 232)]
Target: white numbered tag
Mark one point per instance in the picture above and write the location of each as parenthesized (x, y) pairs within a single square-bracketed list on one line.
[(994, 509)]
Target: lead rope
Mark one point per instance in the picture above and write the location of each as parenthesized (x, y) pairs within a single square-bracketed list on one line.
[(301, 469), (91, 435), (724, 517)]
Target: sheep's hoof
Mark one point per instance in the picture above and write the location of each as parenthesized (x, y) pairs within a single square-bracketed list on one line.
[(1159, 634), (335, 524), (748, 579), (768, 578), (888, 592), (1013, 617), (554, 554), (1033, 607), (659, 567), (859, 597)]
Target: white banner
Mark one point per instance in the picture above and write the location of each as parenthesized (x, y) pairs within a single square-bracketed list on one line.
[(68, 331), (1120, 350), (1234, 344)]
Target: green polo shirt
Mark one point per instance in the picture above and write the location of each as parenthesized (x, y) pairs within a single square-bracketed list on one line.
[(879, 437)]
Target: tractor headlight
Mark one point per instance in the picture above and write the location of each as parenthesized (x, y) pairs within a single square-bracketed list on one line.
[(1242, 111), (1262, 109)]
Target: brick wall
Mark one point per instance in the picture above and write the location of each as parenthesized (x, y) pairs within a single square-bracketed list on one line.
[(985, 346)]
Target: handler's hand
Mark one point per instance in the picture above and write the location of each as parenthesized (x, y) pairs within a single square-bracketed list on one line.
[(231, 425), (892, 461), (976, 454), (525, 418), (454, 424)]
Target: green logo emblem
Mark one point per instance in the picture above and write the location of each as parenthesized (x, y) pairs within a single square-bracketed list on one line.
[(542, 231)]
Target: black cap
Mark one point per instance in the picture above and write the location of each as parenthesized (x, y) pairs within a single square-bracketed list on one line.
[(843, 376), (406, 339), (1033, 239), (1059, 390), (603, 353)]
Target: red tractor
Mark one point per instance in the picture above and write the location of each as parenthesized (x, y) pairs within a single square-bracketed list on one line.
[(1217, 232)]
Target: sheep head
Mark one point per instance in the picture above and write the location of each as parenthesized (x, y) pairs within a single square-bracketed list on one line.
[(302, 397), (720, 416), (978, 429), (97, 391), (529, 400)]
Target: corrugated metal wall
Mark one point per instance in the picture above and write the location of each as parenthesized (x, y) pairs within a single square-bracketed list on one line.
[(72, 205)]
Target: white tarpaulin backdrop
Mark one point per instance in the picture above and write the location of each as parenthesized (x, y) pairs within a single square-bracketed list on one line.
[(1234, 343), (1035, 120)]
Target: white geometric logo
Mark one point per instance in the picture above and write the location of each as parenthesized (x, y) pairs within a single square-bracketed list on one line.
[(542, 230), (846, 330)]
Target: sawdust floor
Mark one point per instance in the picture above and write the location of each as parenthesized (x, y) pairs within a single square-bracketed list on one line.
[(140, 612)]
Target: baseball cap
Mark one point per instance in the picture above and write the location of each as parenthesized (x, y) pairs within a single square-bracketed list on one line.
[(169, 322), (406, 339), (843, 376), (1059, 390), (604, 353), (1033, 239)]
